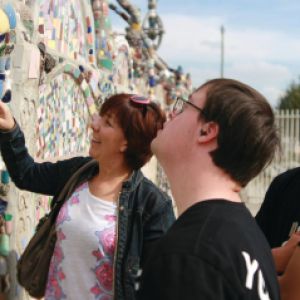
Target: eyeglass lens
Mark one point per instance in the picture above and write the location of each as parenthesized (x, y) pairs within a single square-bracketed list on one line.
[(178, 106)]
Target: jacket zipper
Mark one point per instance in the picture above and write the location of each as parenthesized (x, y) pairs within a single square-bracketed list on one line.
[(116, 247)]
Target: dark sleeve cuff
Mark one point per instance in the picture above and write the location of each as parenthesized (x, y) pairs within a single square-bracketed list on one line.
[(9, 135)]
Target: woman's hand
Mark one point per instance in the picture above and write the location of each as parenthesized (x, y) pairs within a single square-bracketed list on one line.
[(7, 121)]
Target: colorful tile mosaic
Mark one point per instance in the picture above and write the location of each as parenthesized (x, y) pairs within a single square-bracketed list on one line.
[(61, 25), (122, 71), (62, 119), (103, 38)]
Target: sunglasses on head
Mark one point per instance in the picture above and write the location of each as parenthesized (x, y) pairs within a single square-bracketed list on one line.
[(139, 99)]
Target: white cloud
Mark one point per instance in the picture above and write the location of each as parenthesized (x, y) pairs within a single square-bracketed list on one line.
[(259, 44), (190, 37), (272, 93), (255, 56), (198, 36), (264, 77), (266, 59), (268, 78)]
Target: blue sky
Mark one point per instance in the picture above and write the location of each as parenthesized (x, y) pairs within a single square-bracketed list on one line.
[(262, 40)]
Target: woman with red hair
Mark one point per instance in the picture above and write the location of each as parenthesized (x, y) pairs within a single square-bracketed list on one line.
[(114, 214)]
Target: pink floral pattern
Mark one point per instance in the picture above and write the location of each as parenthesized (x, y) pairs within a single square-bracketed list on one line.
[(63, 215), (104, 274), (103, 288), (74, 199), (110, 218), (81, 187), (56, 274), (107, 239)]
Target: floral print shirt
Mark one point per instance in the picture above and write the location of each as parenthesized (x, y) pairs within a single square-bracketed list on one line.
[(82, 263)]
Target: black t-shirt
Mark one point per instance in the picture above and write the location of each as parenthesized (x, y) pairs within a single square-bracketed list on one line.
[(280, 208), (215, 250)]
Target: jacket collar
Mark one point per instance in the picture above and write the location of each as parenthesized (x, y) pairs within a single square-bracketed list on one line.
[(129, 185), (133, 181)]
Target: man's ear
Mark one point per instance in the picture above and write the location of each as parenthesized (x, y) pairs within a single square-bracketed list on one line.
[(208, 131)]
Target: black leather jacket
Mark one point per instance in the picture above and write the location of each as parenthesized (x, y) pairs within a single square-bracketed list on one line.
[(144, 215)]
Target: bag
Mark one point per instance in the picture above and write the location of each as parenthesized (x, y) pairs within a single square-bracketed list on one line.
[(289, 281), (33, 265)]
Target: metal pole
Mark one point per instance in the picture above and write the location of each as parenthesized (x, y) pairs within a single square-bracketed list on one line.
[(222, 51)]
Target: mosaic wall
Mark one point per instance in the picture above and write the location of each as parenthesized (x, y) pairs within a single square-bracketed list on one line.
[(62, 118), (60, 24), (122, 72)]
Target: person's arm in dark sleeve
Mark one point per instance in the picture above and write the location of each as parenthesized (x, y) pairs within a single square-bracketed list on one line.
[(264, 216), (44, 178)]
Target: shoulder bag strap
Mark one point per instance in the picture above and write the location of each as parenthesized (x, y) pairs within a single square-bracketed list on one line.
[(69, 186)]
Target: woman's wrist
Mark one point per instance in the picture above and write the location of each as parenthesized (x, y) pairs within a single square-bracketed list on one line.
[(11, 128)]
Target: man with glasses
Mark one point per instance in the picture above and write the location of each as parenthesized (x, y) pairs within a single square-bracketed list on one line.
[(213, 145)]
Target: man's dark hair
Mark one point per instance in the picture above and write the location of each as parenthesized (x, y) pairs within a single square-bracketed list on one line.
[(248, 138)]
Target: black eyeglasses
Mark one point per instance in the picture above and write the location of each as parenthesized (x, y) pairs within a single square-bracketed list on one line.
[(180, 104)]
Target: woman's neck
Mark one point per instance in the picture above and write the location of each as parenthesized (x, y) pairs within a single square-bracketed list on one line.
[(107, 184)]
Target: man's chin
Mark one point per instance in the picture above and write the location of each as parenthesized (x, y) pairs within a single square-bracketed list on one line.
[(153, 145), (157, 148)]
